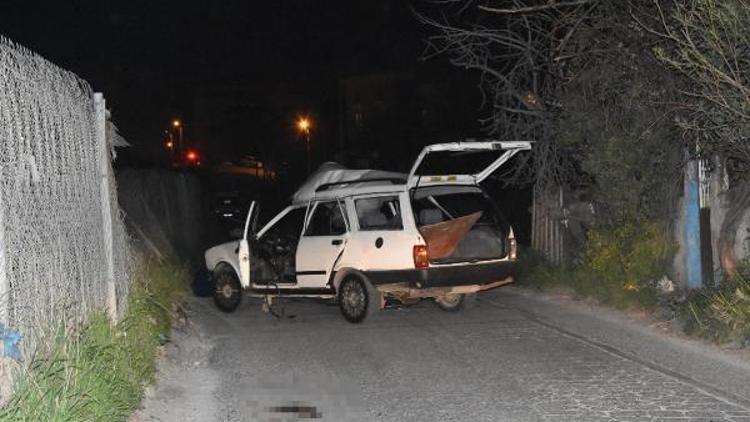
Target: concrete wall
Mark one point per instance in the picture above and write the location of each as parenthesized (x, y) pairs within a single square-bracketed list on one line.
[(164, 211)]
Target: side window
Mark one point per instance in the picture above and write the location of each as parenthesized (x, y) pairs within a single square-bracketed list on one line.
[(326, 220), (379, 213), (290, 225)]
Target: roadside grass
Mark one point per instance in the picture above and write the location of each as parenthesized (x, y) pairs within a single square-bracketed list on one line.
[(720, 314), (98, 371)]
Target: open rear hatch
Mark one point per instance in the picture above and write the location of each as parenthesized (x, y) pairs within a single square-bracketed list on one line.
[(462, 162), (460, 224), (458, 221)]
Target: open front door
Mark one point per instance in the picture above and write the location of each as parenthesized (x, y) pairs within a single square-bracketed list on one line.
[(244, 250), (462, 162)]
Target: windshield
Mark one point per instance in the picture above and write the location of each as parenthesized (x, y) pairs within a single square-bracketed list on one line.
[(456, 162)]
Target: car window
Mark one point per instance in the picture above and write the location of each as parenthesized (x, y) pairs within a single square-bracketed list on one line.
[(379, 213), (290, 225), (442, 207), (326, 220)]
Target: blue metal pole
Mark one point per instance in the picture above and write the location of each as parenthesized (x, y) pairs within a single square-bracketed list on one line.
[(693, 227)]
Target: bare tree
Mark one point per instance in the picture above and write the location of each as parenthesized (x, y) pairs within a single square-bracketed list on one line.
[(518, 47), (707, 42)]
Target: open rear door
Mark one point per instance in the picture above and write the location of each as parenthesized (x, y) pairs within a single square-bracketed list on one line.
[(462, 162), (244, 250)]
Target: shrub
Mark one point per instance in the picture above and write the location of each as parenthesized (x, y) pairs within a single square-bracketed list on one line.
[(720, 314), (620, 266), (630, 256)]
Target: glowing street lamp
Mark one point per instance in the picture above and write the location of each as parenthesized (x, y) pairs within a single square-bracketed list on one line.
[(169, 145), (304, 125), (177, 124)]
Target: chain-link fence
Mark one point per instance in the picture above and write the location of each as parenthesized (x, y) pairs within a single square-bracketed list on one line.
[(63, 247)]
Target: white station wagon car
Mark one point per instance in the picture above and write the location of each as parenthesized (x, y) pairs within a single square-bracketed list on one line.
[(367, 237)]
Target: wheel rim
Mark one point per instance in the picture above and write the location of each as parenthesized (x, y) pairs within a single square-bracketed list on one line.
[(450, 300), (353, 298), (227, 291)]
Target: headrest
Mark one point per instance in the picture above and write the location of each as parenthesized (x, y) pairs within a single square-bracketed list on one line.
[(430, 216)]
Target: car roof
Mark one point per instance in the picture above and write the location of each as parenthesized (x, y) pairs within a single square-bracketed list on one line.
[(374, 187), (333, 180), (363, 188)]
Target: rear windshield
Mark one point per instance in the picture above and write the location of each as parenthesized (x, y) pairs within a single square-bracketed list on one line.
[(456, 162), (443, 206)]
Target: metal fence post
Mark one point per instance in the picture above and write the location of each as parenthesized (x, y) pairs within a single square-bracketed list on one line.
[(100, 111)]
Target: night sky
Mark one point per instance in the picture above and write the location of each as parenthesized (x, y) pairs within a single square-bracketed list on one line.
[(156, 60)]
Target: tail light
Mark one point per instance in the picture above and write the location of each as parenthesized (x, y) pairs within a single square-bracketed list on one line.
[(512, 248), (420, 256)]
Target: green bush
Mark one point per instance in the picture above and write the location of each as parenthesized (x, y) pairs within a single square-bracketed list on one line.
[(620, 266), (631, 256), (98, 371)]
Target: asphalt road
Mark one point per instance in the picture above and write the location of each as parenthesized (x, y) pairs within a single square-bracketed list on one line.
[(511, 356)]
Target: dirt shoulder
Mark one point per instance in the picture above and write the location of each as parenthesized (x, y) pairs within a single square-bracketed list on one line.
[(185, 387)]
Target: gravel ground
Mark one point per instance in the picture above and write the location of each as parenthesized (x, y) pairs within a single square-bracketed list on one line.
[(512, 356)]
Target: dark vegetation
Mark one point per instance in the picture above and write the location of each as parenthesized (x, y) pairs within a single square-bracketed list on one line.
[(618, 96)]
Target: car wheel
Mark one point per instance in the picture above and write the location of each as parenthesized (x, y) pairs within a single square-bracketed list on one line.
[(356, 299), (228, 291), (451, 302)]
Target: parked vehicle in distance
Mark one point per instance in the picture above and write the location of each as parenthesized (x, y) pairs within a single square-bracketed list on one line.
[(228, 206), (364, 237)]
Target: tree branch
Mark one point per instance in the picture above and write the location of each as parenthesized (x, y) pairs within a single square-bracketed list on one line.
[(532, 9)]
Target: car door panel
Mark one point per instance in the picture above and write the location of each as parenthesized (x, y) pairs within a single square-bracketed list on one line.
[(380, 242), (321, 245)]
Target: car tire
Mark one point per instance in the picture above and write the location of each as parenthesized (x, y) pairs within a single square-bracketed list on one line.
[(357, 298), (228, 290), (451, 302)]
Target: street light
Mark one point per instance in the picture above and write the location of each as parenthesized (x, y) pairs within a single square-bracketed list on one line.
[(169, 145), (177, 124), (304, 126)]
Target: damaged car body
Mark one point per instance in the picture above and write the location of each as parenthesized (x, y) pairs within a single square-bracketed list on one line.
[(365, 237)]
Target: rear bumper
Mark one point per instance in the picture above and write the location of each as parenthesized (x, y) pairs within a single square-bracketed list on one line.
[(447, 275)]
